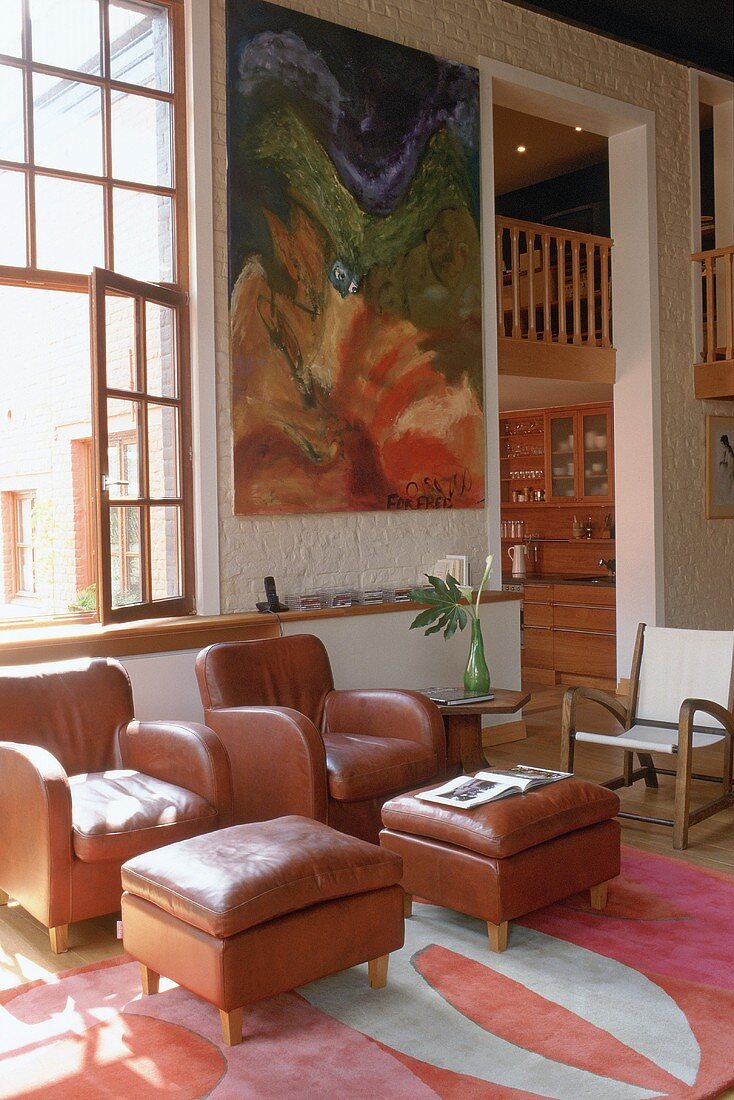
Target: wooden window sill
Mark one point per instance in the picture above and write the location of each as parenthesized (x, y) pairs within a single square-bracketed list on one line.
[(31, 645)]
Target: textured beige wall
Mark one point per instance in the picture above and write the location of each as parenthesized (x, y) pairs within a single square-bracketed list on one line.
[(367, 548)]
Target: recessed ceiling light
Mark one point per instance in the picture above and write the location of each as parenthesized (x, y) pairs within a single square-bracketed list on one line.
[(577, 129), (521, 148)]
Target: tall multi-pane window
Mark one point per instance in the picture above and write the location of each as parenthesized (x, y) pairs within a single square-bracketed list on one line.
[(25, 569), (92, 180)]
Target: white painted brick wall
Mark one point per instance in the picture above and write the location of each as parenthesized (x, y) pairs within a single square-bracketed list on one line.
[(367, 548)]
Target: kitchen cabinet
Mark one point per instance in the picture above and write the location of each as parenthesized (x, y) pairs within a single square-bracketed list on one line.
[(561, 455), (569, 633), (537, 654), (584, 618), (537, 633), (579, 454), (581, 655), (596, 466), (522, 456), (584, 632)]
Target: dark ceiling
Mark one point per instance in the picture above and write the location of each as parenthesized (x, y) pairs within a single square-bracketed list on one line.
[(700, 34)]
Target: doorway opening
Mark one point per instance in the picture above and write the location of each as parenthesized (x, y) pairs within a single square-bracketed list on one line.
[(556, 434), (633, 441)]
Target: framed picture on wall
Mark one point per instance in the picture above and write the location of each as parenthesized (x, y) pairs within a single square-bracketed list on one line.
[(720, 467)]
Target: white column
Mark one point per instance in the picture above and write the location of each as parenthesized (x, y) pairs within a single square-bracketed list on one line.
[(724, 173), (637, 446), (201, 259), (489, 328)]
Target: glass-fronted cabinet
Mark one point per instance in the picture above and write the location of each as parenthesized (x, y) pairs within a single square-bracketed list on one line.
[(561, 460), (596, 461), (579, 457), (558, 455)]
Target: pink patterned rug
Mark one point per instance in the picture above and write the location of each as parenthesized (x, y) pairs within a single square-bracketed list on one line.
[(633, 1003)]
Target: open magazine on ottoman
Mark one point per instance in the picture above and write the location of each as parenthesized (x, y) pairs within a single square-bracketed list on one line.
[(474, 790)]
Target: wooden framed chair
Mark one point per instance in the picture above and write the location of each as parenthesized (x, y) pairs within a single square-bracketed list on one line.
[(681, 699)]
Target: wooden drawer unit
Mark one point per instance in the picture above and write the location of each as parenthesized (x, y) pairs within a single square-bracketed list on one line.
[(585, 654), (587, 595), (537, 634), (537, 650), (584, 631), (538, 614), (601, 619), (569, 633), (538, 593)]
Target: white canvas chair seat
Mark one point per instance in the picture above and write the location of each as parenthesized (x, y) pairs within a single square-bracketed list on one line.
[(648, 739), (681, 699)]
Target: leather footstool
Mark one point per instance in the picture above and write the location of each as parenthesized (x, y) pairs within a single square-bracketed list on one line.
[(247, 912), (505, 859)]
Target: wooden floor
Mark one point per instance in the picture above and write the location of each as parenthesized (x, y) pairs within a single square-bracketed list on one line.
[(25, 954)]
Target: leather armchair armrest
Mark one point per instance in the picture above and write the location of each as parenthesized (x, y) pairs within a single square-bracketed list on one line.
[(278, 762), (184, 753), (35, 812), (387, 713)]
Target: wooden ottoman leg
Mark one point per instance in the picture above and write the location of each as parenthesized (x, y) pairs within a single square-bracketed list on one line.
[(599, 895), (498, 935), (232, 1026), (377, 971), (407, 905), (59, 937), (149, 979)]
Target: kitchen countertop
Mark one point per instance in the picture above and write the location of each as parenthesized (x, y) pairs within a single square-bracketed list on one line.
[(560, 578)]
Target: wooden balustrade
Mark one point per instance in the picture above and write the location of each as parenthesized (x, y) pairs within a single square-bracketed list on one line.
[(553, 286), (714, 376), (718, 332)]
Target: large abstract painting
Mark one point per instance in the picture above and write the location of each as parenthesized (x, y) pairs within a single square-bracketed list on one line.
[(354, 270)]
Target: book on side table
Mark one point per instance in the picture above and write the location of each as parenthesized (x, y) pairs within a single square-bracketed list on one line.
[(466, 790), (447, 697)]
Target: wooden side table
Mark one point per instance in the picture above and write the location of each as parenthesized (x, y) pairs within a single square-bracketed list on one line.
[(463, 725)]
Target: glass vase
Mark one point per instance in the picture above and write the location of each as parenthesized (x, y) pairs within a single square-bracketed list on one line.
[(476, 673)]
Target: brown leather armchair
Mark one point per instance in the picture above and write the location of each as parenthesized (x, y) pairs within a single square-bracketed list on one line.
[(83, 788), (297, 746)]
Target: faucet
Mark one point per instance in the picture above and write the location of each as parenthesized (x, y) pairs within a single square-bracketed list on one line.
[(609, 564), (532, 543)]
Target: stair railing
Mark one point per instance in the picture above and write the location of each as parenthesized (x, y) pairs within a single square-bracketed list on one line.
[(717, 272), (553, 285)]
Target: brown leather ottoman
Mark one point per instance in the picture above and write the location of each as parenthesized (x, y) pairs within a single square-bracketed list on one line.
[(247, 912), (507, 858)]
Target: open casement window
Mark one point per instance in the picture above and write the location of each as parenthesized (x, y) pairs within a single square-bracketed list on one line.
[(142, 449)]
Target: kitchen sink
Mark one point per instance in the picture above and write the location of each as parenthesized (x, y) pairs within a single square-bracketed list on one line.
[(607, 582)]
